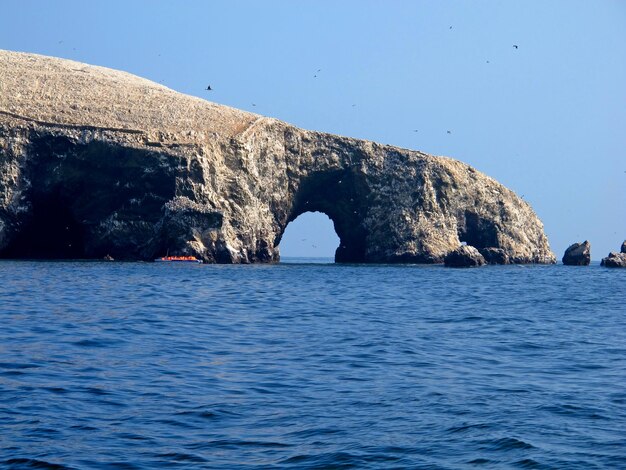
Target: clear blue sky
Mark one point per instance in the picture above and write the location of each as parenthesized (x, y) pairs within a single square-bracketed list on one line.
[(547, 119)]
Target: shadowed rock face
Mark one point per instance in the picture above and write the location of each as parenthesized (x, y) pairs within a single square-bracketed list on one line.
[(614, 260), (495, 255), (578, 254), (464, 256), (97, 162)]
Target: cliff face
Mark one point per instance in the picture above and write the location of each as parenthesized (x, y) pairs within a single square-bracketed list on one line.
[(95, 161)]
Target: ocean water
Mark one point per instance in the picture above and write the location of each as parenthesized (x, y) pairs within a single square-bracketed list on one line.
[(311, 366)]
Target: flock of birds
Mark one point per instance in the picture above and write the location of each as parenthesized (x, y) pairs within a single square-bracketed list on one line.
[(208, 88)]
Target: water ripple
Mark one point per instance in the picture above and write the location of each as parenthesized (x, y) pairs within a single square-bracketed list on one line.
[(138, 366)]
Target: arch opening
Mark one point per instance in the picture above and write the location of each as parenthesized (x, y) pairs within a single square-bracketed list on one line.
[(343, 197), (310, 235)]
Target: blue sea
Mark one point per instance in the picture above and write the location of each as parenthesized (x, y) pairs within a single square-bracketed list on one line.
[(311, 365)]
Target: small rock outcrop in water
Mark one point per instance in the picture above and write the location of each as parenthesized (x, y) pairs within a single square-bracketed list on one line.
[(578, 254), (494, 255), (95, 161), (464, 256), (615, 260)]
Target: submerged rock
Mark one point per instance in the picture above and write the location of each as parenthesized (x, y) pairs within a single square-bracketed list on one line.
[(95, 161), (578, 254), (464, 256), (614, 260)]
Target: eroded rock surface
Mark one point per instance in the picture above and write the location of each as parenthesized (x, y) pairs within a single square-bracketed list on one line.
[(97, 162), (578, 254)]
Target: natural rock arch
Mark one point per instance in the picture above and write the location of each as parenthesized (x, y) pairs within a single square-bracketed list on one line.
[(341, 196), (113, 164)]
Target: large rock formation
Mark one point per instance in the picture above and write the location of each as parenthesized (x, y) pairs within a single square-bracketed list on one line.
[(97, 162), (578, 254)]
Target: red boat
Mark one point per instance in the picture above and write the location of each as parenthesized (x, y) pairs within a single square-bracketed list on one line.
[(178, 259)]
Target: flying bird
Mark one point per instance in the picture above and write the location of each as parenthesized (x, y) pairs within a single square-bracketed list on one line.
[(515, 46), (449, 132), (209, 88)]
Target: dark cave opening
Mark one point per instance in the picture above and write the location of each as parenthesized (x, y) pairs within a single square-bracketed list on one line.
[(478, 232), (74, 192), (50, 232)]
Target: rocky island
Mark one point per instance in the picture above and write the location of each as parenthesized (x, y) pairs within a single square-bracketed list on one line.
[(96, 162), (578, 254), (614, 259)]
